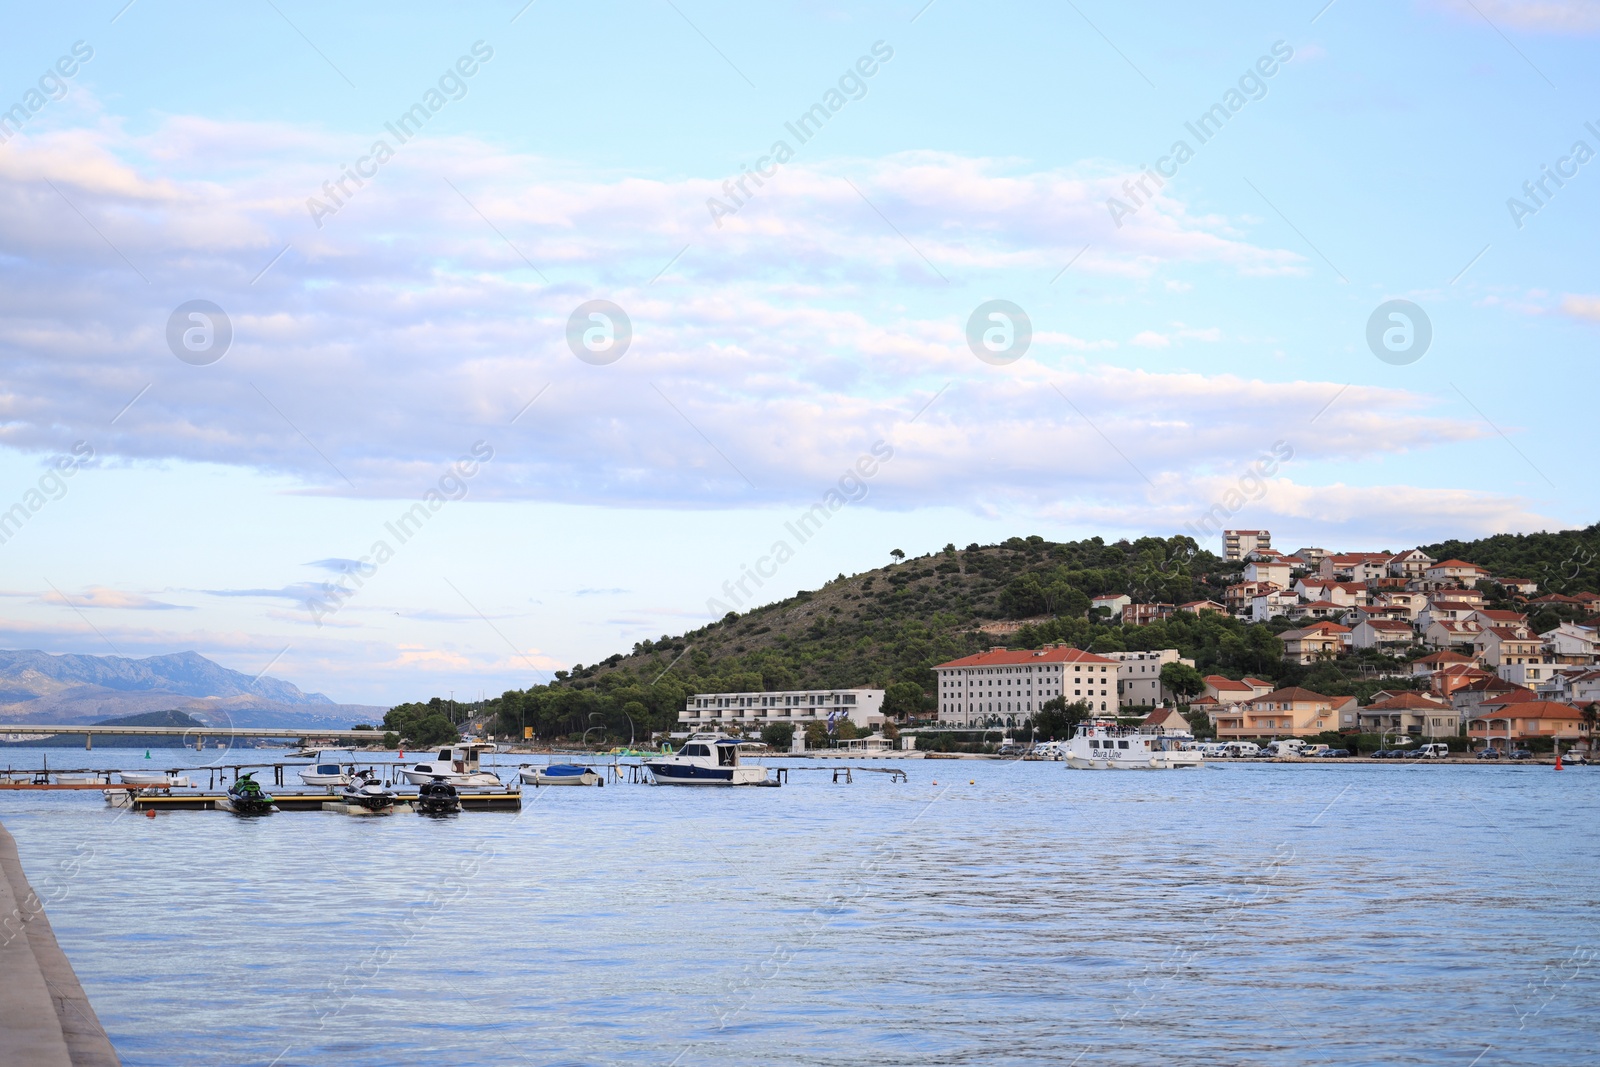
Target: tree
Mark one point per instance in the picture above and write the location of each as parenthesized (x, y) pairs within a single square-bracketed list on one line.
[(421, 724), (903, 699), (897, 554), (1183, 681), (816, 735), (1591, 719), (1056, 719), (778, 736)]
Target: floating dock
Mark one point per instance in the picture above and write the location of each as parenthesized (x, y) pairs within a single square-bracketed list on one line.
[(183, 801)]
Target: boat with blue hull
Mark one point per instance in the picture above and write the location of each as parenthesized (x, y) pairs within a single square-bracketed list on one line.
[(708, 760)]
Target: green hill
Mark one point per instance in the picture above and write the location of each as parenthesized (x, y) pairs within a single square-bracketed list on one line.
[(886, 628)]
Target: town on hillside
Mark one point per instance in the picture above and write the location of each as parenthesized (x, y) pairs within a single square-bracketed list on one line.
[(1465, 668)]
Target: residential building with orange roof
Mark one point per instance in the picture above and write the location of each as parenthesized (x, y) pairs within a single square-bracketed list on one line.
[(1410, 713), (1436, 661), (1385, 635), (1504, 726), (1319, 641), (1008, 685), (1290, 712), (1168, 721), (1227, 691), (1444, 682), (1455, 571), (1355, 566), (1201, 607)]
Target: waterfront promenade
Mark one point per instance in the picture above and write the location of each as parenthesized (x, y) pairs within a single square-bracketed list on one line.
[(45, 1018)]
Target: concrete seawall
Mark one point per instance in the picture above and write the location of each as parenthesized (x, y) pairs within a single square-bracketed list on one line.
[(45, 1019)]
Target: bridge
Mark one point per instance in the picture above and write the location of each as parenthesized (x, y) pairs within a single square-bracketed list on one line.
[(199, 733)]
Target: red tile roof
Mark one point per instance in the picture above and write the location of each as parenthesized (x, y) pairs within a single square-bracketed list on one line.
[(1006, 657), (1225, 685), (1406, 701), (1536, 709)]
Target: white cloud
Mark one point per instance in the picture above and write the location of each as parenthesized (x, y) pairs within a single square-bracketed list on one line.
[(777, 349), (1550, 16)]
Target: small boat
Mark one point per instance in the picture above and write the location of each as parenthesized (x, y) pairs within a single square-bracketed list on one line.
[(329, 770), (458, 765), (438, 797), (708, 759), (246, 797), (369, 794), (1102, 746), (154, 780), (559, 774)]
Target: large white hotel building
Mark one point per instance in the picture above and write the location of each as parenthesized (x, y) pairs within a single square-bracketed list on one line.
[(717, 711), (1011, 685)]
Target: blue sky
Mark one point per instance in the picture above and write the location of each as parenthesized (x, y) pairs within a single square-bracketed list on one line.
[(383, 331)]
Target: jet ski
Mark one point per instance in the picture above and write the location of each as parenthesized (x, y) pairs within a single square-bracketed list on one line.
[(369, 793), (246, 797), (438, 797)]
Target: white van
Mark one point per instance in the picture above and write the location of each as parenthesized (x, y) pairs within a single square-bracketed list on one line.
[(1242, 749), (1288, 748), (1437, 750)]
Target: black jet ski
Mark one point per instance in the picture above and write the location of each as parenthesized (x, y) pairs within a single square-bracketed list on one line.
[(438, 797), (369, 793)]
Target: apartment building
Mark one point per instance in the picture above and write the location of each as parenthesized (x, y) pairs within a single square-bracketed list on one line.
[(1237, 544), (1009, 685), (1291, 712), (1139, 676), (720, 711)]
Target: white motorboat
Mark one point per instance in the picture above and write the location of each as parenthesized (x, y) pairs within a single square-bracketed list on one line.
[(155, 779), (458, 765), (559, 774), (329, 769), (1107, 747), (708, 759)]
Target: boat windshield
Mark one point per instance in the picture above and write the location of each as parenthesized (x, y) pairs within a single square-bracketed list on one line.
[(694, 750)]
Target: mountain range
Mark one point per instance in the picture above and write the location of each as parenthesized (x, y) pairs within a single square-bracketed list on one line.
[(41, 688)]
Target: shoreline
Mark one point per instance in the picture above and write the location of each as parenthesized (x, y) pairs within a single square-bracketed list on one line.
[(45, 1017)]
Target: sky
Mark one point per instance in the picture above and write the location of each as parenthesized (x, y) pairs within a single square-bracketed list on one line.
[(400, 351)]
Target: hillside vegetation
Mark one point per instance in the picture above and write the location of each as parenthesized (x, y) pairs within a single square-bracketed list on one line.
[(887, 627)]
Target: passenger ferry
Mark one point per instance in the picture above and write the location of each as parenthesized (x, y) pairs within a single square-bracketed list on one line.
[(707, 759), (1101, 746)]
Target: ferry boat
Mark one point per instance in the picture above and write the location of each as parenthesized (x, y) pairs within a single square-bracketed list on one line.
[(708, 759), (457, 765), (1106, 747)]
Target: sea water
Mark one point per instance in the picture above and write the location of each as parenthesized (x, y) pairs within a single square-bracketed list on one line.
[(982, 912)]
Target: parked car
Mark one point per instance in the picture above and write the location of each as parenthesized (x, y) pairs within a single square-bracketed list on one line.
[(1521, 753), (1489, 753), (1336, 753), (1384, 753), (1436, 750)]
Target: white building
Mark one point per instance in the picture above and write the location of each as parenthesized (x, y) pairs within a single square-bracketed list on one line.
[(1139, 676), (1009, 686), (751, 711), (1237, 544)]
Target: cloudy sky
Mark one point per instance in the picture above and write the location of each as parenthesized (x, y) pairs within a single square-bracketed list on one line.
[(404, 214)]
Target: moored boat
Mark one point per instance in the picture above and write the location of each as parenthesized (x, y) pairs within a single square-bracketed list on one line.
[(559, 774), (328, 769), (457, 764), (708, 759), (1107, 747), (154, 779)]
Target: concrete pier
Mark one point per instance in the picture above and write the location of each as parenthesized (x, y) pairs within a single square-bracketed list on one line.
[(45, 1019)]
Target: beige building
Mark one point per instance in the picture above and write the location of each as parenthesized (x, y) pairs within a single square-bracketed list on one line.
[(1008, 685), (1292, 712), (1409, 713), (1139, 676), (1237, 544), (720, 711)]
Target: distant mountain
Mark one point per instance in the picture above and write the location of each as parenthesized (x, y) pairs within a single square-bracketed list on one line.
[(37, 687)]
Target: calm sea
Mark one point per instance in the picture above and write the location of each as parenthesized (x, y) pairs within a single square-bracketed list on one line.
[(980, 913)]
